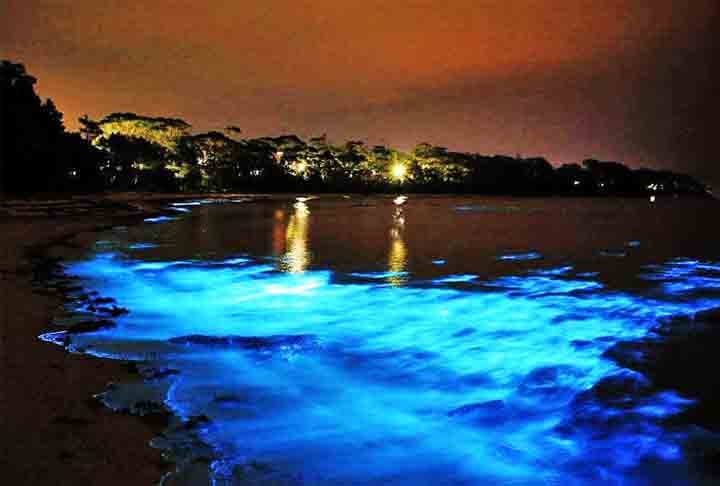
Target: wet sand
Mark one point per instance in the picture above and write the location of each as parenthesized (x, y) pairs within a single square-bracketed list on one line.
[(52, 430)]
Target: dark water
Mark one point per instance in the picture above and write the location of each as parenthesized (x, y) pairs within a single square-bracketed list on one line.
[(444, 341)]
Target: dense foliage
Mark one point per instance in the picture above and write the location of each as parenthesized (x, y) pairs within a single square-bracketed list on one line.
[(126, 151), (36, 153)]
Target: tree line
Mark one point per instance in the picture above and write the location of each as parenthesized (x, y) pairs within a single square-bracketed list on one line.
[(127, 151)]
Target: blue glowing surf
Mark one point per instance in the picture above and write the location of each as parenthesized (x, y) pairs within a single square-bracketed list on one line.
[(312, 375)]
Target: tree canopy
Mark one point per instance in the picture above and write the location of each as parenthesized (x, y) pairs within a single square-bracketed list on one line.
[(128, 151), (36, 153)]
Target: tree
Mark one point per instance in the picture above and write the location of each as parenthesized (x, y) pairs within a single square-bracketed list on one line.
[(36, 154), (135, 163), (611, 177), (215, 156), (232, 131), (166, 132), (90, 129)]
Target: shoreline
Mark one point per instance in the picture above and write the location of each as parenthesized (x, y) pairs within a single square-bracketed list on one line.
[(54, 431)]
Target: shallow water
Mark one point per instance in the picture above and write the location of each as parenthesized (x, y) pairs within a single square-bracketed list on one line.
[(444, 341)]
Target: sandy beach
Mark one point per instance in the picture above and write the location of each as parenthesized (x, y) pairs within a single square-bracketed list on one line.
[(53, 431)]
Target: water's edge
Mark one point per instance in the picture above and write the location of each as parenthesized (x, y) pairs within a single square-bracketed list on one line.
[(192, 458), (143, 397)]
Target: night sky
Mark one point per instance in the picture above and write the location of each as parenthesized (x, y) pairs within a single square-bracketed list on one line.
[(565, 79)]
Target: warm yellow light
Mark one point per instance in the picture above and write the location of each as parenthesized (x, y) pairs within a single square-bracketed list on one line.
[(400, 200), (398, 171), (297, 255), (397, 258)]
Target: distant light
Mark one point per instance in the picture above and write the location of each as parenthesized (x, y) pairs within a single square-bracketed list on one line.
[(301, 208), (576, 182), (652, 199), (400, 200), (398, 171)]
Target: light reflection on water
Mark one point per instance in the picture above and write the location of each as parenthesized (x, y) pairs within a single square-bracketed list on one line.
[(297, 257), (379, 378), (397, 257)]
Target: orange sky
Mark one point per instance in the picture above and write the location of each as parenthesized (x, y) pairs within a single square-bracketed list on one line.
[(567, 79)]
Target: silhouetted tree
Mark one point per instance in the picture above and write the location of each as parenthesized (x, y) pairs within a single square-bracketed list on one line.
[(573, 179), (611, 177), (89, 129), (136, 163), (36, 154), (129, 151)]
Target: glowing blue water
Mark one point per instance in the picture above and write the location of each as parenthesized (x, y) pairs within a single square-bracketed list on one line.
[(455, 380)]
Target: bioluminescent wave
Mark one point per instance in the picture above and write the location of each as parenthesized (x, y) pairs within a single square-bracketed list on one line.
[(308, 378), (406, 341), (158, 219)]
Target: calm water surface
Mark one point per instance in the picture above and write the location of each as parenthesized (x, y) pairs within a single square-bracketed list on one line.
[(444, 341)]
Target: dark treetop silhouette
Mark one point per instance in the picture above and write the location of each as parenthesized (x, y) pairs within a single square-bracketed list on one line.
[(126, 151)]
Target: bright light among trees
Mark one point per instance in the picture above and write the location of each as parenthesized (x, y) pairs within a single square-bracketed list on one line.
[(398, 171), (300, 167)]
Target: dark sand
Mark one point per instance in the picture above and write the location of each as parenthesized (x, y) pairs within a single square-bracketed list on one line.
[(52, 430)]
